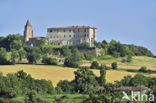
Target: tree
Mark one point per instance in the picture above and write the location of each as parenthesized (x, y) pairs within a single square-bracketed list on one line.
[(114, 65), (22, 53), (76, 56), (104, 42), (44, 86), (58, 53), (94, 65), (21, 74), (85, 81), (143, 69), (31, 97), (49, 61), (16, 44), (66, 51), (14, 55), (116, 54), (5, 57), (139, 80), (88, 56), (102, 78), (65, 86), (33, 57), (138, 50), (12, 42), (74, 59), (83, 46), (42, 41), (129, 58), (126, 80), (153, 92), (121, 49)]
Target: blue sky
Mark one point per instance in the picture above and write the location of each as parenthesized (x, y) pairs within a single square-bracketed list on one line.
[(128, 21)]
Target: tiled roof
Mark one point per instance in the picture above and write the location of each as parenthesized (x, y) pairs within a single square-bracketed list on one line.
[(102, 88), (72, 27), (35, 37), (139, 88)]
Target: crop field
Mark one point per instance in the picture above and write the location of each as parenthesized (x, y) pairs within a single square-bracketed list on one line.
[(57, 73)]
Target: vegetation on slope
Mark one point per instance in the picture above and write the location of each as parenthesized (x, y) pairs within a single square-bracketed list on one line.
[(85, 82)]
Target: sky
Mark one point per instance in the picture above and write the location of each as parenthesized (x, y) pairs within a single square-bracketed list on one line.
[(127, 21)]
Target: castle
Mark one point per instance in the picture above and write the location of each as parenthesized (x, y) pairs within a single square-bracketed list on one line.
[(29, 38), (71, 35)]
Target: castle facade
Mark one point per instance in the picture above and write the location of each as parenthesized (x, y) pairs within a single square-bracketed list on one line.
[(71, 35)]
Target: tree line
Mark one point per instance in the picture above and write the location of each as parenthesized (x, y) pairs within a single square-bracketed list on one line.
[(21, 83), (85, 82), (116, 49), (13, 50)]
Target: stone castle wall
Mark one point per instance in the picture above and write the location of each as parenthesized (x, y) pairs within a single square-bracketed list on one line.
[(66, 36)]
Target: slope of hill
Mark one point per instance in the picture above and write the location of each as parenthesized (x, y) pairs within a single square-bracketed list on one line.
[(56, 73), (136, 63)]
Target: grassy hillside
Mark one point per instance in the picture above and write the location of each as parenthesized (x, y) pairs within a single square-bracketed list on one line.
[(136, 63), (56, 73)]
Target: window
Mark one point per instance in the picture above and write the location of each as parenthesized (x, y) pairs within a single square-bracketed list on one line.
[(69, 30), (50, 30), (85, 35), (78, 30), (64, 30), (73, 30), (69, 35), (64, 36), (85, 30)]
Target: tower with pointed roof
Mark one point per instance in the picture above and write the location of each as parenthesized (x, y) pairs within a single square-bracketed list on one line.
[(28, 31)]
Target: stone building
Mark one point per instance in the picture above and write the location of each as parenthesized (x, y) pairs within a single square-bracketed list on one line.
[(28, 31), (71, 35), (29, 38)]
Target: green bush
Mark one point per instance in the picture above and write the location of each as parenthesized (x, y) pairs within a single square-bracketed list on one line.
[(94, 65), (33, 57), (116, 54), (139, 79), (20, 83), (73, 60), (65, 86), (83, 46), (114, 65), (49, 61), (88, 56), (143, 69), (85, 81), (32, 97), (129, 58), (123, 60), (5, 57), (69, 62)]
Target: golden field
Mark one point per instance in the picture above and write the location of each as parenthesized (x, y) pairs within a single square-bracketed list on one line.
[(57, 73)]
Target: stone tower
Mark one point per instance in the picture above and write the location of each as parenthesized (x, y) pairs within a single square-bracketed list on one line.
[(28, 31)]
